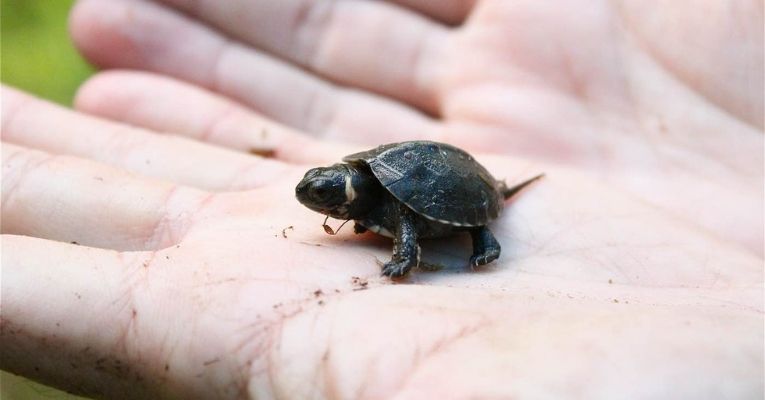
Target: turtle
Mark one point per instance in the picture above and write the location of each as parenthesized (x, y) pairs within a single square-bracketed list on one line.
[(408, 191)]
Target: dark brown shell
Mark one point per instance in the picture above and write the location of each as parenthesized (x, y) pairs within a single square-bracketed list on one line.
[(436, 180)]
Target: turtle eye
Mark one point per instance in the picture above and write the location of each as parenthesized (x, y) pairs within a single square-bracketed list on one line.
[(318, 192)]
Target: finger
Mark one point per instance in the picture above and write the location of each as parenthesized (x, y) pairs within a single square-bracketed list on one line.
[(38, 124), (74, 200), (86, 320), (351, 42), (147, 36), (166, 105), (447, 11), (46, 286)]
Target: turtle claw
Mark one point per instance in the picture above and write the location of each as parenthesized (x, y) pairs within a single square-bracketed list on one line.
[(396, 269), (484, 258)]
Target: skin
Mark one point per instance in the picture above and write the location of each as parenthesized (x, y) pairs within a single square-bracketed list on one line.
[(633, 269)]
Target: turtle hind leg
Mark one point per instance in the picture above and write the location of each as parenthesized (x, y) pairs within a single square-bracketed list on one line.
[(486, 248), (510, 192)]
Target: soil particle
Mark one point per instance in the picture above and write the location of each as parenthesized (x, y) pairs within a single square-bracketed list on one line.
[(284, 231), (359, 283)]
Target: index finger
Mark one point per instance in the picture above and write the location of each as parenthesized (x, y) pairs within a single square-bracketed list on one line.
[(348, 41)]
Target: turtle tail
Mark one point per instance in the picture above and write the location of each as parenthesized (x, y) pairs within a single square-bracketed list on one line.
[(509, 192)]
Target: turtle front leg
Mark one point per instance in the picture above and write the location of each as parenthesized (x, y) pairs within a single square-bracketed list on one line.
[(358, 228), (485, 247), (406, 252)]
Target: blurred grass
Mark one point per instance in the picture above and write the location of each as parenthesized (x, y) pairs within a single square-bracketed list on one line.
[(37, 56), (18, 388), (36, 52)]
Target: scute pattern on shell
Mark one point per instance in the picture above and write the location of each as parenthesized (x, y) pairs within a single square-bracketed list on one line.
[(436, 180)]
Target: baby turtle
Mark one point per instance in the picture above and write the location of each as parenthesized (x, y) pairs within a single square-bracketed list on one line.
[(408, 191)]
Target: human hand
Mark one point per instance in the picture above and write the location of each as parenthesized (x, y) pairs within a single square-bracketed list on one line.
[(661, 99), (197, 275)]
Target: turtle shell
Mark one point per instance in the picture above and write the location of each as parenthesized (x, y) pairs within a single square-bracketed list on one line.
[(436, 180)]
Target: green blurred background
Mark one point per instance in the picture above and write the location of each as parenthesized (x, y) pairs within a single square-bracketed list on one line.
[(37, 56)]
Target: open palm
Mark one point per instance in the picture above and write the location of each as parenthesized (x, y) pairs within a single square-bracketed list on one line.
[(652, 97), (202, 277)]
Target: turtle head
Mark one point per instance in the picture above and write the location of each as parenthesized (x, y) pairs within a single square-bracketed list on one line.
[(341, 191)]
